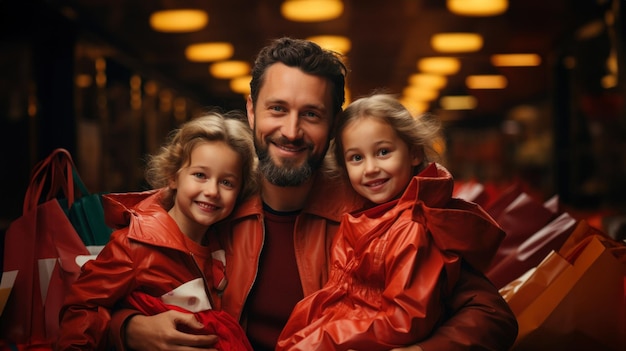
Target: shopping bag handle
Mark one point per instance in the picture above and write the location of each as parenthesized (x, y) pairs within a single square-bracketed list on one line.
[(55, 171)]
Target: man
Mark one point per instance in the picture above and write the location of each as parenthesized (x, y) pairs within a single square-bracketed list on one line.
[(277, 243)]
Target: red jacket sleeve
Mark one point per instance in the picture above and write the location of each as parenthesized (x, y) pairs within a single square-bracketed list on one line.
[(479, 318), (85, 316), (117, 329)]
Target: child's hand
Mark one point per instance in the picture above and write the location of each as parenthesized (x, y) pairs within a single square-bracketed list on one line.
[(159, 332)]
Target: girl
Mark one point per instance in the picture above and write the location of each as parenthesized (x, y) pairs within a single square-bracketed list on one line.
[(155, 260), (391, 265)]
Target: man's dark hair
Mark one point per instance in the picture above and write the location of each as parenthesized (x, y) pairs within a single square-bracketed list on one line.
[(308, 57)]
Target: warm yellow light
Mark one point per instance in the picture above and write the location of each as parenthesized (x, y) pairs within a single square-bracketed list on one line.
[(335, 43), (516, 60), (207, 52), (427, 80), (477, 7), (458, 102), (311, 10), (178, 21), (415, 107), (609, 81), (456, 42), (241, 84), (83, 80), (420, 94), (494, 81), (229, 69), (439, 65)]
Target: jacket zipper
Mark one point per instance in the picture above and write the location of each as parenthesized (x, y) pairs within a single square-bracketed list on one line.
[(207, 289)]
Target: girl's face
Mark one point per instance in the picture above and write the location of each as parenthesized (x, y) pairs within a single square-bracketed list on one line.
[(379, 163), (207, 188)]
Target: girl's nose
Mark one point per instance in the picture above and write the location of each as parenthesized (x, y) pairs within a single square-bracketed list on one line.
[(211, 188), (371, 166)]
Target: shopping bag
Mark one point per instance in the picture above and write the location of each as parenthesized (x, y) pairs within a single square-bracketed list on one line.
[(87, 215), (520, 219), (41, 246), (573, 302)]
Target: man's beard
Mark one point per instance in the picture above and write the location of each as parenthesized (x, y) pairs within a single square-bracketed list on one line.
[(288, 174)]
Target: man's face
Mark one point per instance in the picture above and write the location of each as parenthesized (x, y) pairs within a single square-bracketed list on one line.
[(291, 121)]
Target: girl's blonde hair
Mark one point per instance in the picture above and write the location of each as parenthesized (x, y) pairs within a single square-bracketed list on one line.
[(229, 127), (420, 133)]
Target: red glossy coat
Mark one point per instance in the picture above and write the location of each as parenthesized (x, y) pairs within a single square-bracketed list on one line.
[(482, 319), (149, 254), (392, 267)]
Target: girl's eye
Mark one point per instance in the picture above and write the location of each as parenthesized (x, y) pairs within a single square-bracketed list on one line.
[(355, 158), (199, 175), (383, 152), (228, 183)]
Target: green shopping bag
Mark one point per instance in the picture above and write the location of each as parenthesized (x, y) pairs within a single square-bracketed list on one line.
[(87, 215), (84, 210)]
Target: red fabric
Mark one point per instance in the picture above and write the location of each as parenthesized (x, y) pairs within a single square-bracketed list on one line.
[(392, 266), (149, 253), (231, 335), (278, 287), (480, 317)]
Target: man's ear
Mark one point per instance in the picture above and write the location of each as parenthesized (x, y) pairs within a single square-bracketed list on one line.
[(250, 111)]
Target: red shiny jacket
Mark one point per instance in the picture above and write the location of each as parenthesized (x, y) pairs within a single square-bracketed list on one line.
[(147, 254), (482, 319), (392, 266)]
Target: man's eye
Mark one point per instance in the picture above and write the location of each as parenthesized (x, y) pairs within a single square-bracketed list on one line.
[(310, 114)]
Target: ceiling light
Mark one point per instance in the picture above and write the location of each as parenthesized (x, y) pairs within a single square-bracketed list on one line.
[(415, 107), (477, 7), (459, 102), (335, 43), (206, 52), (439, 65), (241, 85), (456, 42), (494, 81), (420, 94), (311, 10), (609, 81), (427, 80), (83, 80), (179, 21), (229, 69), (516, 60)]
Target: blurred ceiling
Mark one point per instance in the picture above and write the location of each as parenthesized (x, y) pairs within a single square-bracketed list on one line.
[(388, 38)]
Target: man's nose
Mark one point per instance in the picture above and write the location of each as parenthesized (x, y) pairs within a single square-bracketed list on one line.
[(291, 126)]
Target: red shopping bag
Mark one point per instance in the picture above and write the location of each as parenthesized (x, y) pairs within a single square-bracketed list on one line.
[(42, 246), (520, 219), (532, 250), (572, 302)]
